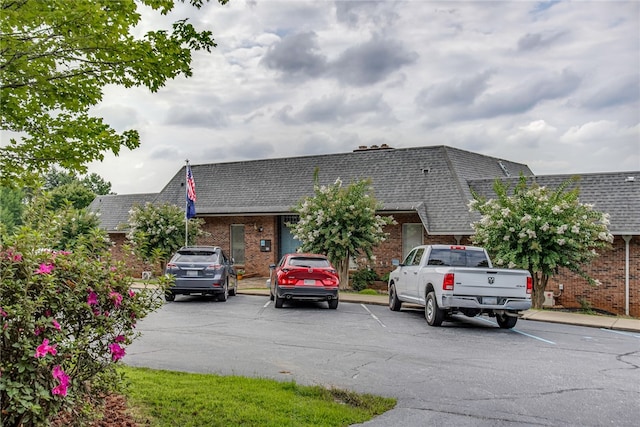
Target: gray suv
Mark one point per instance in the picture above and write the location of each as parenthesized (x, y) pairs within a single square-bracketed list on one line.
[(203, 270)]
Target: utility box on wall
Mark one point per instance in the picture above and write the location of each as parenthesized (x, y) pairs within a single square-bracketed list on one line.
[(549, 299), (265, 245)]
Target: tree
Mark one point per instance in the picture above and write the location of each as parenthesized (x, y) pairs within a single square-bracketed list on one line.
[(11, 207), (157, 231), (540, 230), (340, 222), (55, 60), (55, 178)]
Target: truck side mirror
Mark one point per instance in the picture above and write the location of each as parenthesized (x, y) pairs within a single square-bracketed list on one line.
[(395, 262)]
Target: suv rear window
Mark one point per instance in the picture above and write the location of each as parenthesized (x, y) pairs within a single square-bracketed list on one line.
[(309, 262), (195, 256)]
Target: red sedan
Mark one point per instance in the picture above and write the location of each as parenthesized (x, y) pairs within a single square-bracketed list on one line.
[(308, 277)]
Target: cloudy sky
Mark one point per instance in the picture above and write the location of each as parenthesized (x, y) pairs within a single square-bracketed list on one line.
[(552, 84)]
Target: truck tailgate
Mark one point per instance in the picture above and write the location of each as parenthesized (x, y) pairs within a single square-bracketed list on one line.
[(490, 282)]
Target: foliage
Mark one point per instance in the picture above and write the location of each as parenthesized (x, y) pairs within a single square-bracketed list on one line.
[(93, 182), (157, 231), (66, 318), (75, 194), (56, 58), (362, 278), (67, 227), (340, 222), (540, 230), (11, 207), (169, 398)]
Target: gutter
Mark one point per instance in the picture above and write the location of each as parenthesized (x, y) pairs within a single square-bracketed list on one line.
[(627, 239)]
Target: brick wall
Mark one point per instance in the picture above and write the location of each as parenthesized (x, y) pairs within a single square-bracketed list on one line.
[(609, 269), (136, 265)]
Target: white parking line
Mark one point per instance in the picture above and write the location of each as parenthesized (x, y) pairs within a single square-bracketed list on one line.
[(519, 332), (267, 304), (373, 315), (629, 334)]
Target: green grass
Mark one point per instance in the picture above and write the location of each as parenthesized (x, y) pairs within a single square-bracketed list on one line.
[(184, 399)]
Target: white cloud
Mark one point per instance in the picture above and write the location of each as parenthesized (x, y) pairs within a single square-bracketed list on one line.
[(555, 85)]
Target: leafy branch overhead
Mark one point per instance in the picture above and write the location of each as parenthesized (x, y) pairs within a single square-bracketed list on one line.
[(56, 58)]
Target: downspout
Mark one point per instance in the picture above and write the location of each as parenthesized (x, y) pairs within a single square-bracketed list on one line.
[(626, 239)]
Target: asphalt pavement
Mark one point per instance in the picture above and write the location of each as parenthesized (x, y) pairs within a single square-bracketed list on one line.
[(258, 286)]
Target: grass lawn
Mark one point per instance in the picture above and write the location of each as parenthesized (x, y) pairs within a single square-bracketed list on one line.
[(169, 398)]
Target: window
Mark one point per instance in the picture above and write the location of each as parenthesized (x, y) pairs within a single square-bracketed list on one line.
[(411, 237), (237, 243)]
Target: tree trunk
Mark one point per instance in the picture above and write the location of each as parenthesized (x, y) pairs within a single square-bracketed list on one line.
[(540, 281), (343, 272)]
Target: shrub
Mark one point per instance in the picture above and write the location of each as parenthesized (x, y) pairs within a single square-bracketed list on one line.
[(362, 278), (65, 320)]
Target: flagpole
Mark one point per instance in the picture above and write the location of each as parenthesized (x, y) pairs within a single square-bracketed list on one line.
[(186, 206)]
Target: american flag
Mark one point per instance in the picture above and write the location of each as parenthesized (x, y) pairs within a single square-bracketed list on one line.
[(191, 194)]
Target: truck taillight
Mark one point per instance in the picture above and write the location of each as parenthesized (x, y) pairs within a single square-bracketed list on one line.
[(529, 285), (458, 248), (447, 282)]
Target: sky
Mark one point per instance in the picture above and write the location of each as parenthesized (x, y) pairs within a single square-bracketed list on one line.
[(551, 84)]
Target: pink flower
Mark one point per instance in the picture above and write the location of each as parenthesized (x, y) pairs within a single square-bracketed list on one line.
[(55, 324), (132, 293), (116, 297), (62, 378), (92, 298), (117, 352), (45, 269), (38, 330), (3, 313), (43, 349), (120, 338)]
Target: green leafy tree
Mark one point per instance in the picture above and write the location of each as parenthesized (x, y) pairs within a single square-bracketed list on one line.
[(96, 184), (157, 231), (55, 178), (340, 222), (540, 230), (55, 60), (11, 207)]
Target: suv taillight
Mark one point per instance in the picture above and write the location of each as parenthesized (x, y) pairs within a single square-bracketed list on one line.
[(214, 267), (171, 266), (447, 282), (529, 285)]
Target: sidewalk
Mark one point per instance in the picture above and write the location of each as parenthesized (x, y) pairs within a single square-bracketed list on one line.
[(258, 286)]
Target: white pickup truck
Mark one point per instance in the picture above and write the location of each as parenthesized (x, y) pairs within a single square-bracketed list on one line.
[(448, 279)]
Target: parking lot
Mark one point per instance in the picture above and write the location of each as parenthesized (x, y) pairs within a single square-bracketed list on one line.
[(468, 372)]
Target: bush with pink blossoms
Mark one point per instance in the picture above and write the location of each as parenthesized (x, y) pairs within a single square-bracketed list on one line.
[(66, 318)]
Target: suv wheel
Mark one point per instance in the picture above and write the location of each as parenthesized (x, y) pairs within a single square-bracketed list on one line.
[(169, 296), (225, 294)]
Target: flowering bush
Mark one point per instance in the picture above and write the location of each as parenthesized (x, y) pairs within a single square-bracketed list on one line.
[(157, 231), (65, 319), (540, 230), (340, 222)]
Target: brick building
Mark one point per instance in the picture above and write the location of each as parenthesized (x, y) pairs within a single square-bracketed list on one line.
[(245, 206)]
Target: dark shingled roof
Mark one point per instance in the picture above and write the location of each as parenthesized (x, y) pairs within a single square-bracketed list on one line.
[(114, 209), (615, 193), (429, 180), (433, 181)]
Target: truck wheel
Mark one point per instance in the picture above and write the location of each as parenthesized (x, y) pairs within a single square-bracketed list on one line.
[(505, 321), (394, 302), (432, 312)]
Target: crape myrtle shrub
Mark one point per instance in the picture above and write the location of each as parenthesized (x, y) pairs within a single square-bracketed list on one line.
[(66, 317)]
